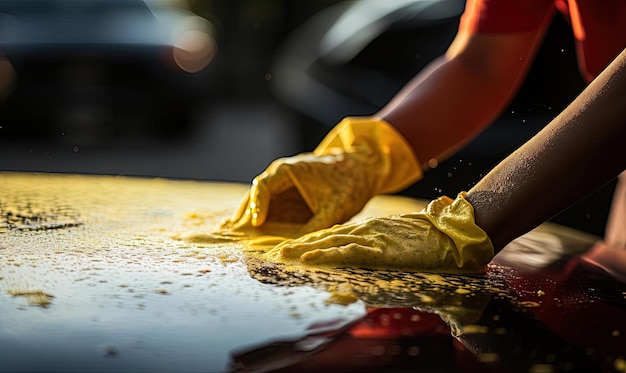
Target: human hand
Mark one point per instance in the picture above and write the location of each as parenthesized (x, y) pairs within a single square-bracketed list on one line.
[(306, 192), (441, 238), (359, 158)]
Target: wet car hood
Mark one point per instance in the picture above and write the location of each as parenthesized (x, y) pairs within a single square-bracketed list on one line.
[(108, 273)]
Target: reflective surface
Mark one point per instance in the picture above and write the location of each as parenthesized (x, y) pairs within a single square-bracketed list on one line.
[(100, 273)]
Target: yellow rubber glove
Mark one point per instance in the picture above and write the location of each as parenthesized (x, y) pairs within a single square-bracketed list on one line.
[(359, 158), (441, 238)]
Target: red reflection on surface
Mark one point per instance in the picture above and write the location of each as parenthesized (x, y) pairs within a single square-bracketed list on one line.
[(385, 323), (581, 302), (609, 258), (386, 338)]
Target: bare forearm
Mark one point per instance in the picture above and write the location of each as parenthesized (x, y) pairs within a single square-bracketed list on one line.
[(429, 111), (461, 93), (579, 151)]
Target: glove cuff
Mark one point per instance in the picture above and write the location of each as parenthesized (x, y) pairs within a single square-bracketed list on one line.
[(398, 166), (455, 219)]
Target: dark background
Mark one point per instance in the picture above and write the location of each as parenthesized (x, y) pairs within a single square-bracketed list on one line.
[(241, 124)]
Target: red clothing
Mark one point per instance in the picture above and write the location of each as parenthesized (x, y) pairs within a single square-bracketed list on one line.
[(599, 26)]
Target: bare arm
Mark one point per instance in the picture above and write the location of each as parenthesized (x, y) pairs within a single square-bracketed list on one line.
[(579, 151), (460, 93)]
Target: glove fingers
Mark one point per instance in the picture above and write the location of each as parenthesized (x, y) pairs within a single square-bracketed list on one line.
[(260, 196), (308, 174), (296, 248), (271, 183), (241, 209), (277, 177), (239, 218), (348, 255)]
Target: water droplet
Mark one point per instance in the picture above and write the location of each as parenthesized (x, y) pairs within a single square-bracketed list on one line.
[(377, 350), (488, 357), (413, 351), (433, 162)]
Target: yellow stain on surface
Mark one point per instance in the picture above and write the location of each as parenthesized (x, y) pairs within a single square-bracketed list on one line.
[(33, 297), (341, 298)]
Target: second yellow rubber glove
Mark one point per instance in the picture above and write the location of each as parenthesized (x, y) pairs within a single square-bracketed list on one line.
[(443, 237), (359, 158)]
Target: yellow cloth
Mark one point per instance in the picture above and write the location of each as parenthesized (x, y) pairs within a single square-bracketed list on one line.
[(443, 237), (359, 158)]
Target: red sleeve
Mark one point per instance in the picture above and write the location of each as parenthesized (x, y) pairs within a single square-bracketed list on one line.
[(600, 32), (505, 16)]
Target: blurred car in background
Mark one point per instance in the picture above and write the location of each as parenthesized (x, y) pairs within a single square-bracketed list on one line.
[(87, 69), (353, 56)]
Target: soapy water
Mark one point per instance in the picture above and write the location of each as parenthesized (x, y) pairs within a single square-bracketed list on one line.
[(24, 216), (141, 252)]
